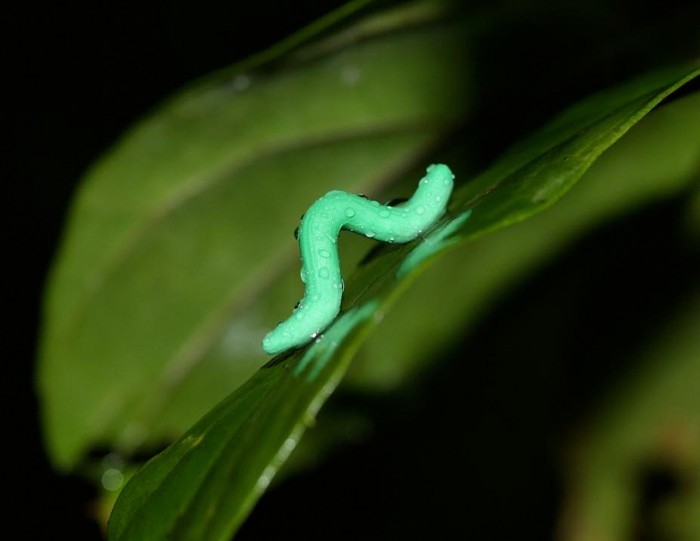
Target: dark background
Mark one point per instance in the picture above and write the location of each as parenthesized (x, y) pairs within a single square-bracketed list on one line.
[(78, 77)]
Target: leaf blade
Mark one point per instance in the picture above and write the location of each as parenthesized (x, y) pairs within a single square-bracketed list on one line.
[(511, 191)]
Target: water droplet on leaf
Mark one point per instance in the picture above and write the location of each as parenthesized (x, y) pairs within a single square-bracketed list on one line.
[(241, 82), (350, 75)]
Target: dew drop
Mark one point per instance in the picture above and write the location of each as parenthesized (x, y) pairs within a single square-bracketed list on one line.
[(303, 275), (324, 253), (350, 75), (384, 213), (438, 198), (349, 212), (112, 479), (241, 82), (324, 273), (420, 210), (370, 234)]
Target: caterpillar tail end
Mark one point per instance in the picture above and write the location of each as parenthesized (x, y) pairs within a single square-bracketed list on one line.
[(274, 344)]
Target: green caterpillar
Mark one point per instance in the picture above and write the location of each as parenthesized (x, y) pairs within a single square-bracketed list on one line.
[(318, 235)]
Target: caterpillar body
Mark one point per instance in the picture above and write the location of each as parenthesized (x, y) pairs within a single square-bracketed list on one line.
[(318, 235)]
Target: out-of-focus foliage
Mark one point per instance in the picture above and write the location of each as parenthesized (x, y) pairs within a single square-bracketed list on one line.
[(649, 427)]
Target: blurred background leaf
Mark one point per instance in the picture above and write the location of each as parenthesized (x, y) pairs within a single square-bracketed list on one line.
[(174, 239), (644, 434)]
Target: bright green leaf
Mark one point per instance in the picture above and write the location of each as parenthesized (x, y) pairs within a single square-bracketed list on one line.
[(177, 230)]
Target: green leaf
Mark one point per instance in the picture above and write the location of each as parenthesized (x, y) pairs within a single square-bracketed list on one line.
[(657, 159), (203, 486), (177, 230)]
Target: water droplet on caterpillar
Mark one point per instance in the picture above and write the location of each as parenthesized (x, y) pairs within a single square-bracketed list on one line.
[(324, 253), (349, 212), (324, 273), (420, 210), (370, 234), (384, 213)]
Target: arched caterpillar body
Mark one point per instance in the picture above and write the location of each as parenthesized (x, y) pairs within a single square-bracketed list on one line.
[(318, 234)]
